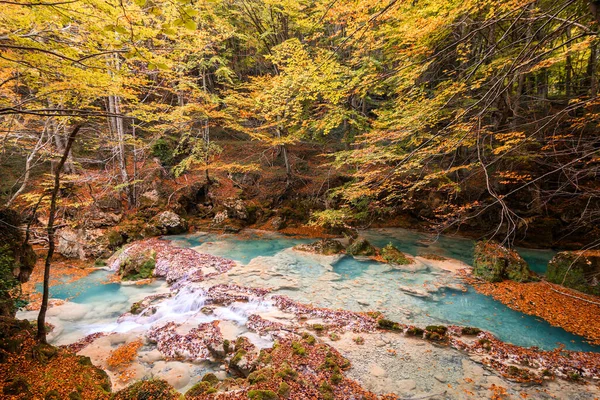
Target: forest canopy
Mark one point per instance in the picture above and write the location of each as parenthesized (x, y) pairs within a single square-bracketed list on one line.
[(480, 115)]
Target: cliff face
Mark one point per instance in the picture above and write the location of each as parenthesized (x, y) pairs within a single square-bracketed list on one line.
[(17, 260)]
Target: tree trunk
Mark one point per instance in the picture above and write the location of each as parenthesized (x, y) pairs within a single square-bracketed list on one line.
[(41, 321)]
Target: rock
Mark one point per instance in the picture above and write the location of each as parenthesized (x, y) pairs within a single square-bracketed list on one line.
[(150, 198), (578, 270), (394, 256), (220, 217), (414, 291), (236, 209), (326, 247), (96, 218), (361, 247), (245, 357), (440, 378), (376, 370), (277, 223), (68, 244), (406, 385), (82, 243), (495, 263), (169, 223), (110, 203)]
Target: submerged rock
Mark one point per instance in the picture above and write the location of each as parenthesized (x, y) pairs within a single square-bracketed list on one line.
[(325, 247), (361, 247), (394, 256), (578, 270), (495, 263)]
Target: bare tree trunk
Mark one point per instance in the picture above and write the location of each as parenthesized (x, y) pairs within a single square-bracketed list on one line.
[(41, 321), (38, 145)]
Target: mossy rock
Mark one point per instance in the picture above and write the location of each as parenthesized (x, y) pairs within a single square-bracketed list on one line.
[(44, 352), (361, 247), (394, 256), (495, 263), (17, 386), (155, 389), (389, 325), (284, 390), (139, 266), (262, 395), (199, 389), (75, 396), (577, 270), (211, 379), (326, 247)]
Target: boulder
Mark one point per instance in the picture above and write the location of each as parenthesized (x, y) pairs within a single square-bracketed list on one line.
[(579, 270), (136, 264), (394, 256), (361, 247), (327, 247), (96, 218), (495, 263), (236, 209), (82, 243), (169, 223)]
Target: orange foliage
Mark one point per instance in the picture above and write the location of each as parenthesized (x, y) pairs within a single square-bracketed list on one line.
[(536, 298), (123, 355)]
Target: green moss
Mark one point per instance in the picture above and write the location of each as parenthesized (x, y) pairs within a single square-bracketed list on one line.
[(155, 389), (198, 389), (298, 349), (470, 331), (326, 391), (262, 395), (389, 325), (237, 357), (75, 396), (576, 270), (319, 328), (226, 346), (287, 372), (17, 386), (211, 379), (257, 377), (414, 331), (334, 336), (309, 339), (361, 247), (494, 263), (394, 256), (336, 378), (439, 329), (284, 390), (136, 307)]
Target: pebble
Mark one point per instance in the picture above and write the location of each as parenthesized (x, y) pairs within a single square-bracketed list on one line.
[(440, 378)]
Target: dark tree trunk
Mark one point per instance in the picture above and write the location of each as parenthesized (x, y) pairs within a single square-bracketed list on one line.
[(41, 328)]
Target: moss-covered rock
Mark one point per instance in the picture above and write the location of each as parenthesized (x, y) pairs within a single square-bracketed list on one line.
[(169, 223), (361, 247), (139, 265), (155, 389), (199, 389), (262, 395), (495, 263), (17, 386), (579, 270), (326, 247), (394, 256)]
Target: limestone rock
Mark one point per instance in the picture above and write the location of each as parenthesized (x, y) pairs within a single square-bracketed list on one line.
[(578, 270), (361, 247), (394, 256), (82, 243), (236, 209), (495, 263), (326, 247), (169, 223)]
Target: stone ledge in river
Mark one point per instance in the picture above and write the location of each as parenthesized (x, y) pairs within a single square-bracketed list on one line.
[(172, 263), (392, 255), (581, 269), (327, 247), (495, 263), (361, 247)]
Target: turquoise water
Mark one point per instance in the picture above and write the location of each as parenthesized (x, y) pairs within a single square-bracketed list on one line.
[(360, 285), (358, 282)]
